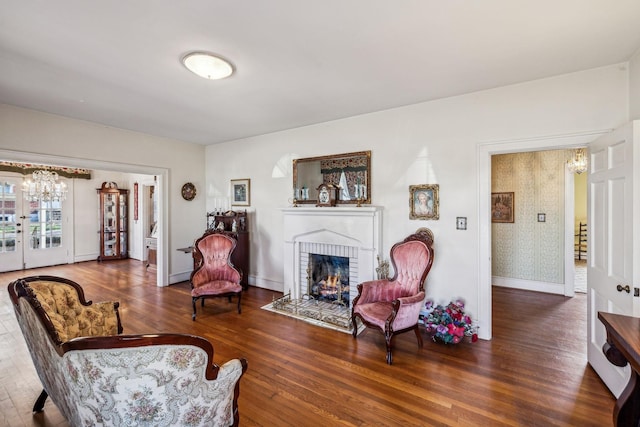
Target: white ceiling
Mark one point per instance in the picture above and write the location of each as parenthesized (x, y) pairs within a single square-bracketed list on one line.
[(298, 62)]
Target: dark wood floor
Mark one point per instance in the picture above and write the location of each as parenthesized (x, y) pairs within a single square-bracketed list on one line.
[(533, 373)]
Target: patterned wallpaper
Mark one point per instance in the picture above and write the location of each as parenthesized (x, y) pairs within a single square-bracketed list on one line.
[(528, 249)]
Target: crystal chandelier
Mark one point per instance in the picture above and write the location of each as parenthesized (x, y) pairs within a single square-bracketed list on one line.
[(578, 163), (44, 186)]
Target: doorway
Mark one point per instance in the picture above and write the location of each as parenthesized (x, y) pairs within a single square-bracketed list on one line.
[(161, 183), (580, 232), (150, 224), (485, 151)]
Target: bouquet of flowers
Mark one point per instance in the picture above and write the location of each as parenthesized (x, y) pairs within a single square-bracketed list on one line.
[(449, 324)]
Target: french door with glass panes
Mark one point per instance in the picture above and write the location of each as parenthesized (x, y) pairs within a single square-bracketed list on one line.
[(32, 233)]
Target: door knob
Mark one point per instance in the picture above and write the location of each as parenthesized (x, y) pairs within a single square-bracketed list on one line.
[(625, 288)]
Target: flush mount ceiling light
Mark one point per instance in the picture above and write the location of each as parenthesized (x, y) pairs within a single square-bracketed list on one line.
[(207, 65)]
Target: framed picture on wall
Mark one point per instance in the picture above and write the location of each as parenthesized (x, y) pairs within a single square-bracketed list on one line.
[(424, 201), (240, 192), (502, 207)]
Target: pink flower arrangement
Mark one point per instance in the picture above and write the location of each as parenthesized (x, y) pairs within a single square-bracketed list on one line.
[(449, 323)]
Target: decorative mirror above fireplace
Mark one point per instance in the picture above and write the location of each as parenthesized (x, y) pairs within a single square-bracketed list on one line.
[(350, 171)]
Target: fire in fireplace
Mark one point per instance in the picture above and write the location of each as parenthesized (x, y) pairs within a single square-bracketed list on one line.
[(328, 278)]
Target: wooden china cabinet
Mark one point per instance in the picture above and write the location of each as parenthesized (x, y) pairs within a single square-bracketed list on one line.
[(114, 233)]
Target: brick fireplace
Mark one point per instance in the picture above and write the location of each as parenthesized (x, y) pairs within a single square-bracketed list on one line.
[(350, 232)]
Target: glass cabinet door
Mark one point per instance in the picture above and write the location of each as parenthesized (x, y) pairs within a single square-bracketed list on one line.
[(113, 222)]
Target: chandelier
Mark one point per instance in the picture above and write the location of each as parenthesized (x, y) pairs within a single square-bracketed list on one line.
[(44, 186), (578, 163)]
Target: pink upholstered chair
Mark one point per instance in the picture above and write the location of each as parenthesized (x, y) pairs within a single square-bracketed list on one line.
[(214, 275), (393, 305)]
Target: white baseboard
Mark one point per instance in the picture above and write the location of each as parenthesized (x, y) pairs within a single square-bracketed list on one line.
[(528, 285), (261, 282), (179, 277), (84, 258)]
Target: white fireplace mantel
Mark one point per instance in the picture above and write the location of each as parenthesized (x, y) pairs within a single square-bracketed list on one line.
[(357, 227)]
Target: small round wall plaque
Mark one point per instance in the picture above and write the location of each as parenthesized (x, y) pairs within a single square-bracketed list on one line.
[(188, 191)]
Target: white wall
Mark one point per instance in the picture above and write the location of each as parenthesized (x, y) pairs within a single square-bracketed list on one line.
[(634, 87), (30, 135), (429, 143)]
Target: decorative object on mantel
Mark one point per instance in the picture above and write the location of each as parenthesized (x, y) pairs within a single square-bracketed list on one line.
[(578, 163), (424, 201), (449, 324), (327, 195), (44, 186)]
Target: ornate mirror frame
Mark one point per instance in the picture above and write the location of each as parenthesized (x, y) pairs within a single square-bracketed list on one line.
[(350, 170)]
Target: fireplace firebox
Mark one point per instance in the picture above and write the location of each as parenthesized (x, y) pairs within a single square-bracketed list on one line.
[(328, 278)]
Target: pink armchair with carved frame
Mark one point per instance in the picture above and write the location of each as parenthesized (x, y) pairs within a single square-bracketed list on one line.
[(393, 305), (214, 275)]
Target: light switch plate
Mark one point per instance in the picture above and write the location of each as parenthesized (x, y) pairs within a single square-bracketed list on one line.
[(461, 223)]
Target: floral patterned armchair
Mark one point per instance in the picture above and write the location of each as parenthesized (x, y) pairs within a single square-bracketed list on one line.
[(97, 377), (393, 305)]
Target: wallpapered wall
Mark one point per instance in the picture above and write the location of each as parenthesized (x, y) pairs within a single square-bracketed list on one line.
[(528, 249)]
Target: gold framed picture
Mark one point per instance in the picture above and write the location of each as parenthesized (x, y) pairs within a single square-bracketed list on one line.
[(502, 207), (424, 201)]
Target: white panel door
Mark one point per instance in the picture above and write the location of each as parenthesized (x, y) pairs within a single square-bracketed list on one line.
[(32, 234), (612, 187), (45, 234)]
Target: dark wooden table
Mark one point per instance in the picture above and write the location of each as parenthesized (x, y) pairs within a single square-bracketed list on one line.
[(622, 347)]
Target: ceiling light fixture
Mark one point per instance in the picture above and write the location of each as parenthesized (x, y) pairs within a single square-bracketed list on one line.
[(207, 65), (578, 163)]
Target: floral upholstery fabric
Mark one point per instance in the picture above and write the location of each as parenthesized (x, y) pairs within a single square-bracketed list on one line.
[(145, 385), (70, 318), (160, 385), (46, 360)]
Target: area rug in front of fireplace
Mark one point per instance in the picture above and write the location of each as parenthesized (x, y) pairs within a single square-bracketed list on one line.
[(319, 313)]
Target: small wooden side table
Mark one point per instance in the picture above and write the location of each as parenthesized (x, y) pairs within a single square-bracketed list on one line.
[(188, 250), (622, 347)]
